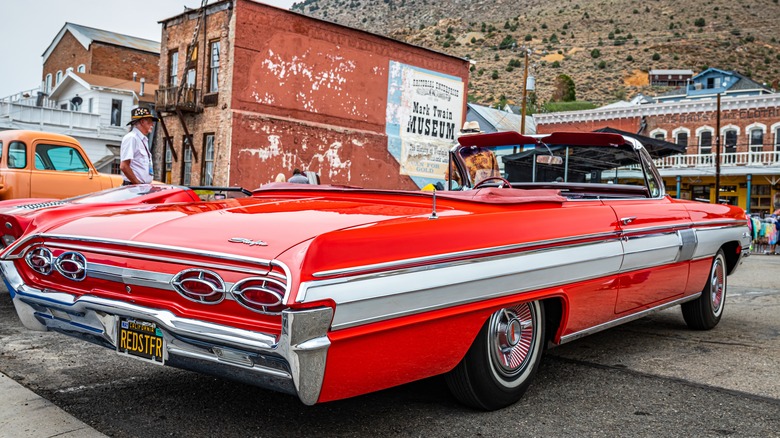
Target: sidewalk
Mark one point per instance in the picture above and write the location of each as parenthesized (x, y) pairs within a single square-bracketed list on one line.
[(24, 414)]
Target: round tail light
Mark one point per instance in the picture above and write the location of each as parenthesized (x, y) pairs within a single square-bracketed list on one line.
[(263, 295)]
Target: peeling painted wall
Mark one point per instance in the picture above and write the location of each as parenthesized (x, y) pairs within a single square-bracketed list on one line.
[(313, 95), (296, 92)]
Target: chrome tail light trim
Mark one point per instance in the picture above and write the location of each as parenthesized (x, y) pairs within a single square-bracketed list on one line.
[(40, 260)]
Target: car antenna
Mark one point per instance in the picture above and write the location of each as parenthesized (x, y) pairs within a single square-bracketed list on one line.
[(433, 213)]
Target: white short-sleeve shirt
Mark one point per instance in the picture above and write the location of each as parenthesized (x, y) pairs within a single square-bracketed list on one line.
[(134, 148)]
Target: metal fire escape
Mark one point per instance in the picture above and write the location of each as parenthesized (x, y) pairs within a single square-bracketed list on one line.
[(183, 96)]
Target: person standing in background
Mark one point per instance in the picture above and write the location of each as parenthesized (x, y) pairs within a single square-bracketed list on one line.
[(134, 154), (298, 177)]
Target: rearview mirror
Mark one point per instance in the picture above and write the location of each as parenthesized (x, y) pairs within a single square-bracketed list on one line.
[(549, 159)]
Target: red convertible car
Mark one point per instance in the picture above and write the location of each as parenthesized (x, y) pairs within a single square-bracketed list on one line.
[(328, 292)]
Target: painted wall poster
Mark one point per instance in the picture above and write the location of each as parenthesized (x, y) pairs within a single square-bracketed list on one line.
[(424, 115)]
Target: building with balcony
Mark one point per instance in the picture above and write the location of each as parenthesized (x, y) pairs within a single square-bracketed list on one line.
[(747, 128), (92, 79), (713, 82), (248, 91), (669, 78), (83, 49)]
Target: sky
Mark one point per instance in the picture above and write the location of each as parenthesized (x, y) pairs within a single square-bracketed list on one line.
[(29, 26)]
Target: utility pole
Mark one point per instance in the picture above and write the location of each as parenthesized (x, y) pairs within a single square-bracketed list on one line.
[(525, 91), (717, 152)]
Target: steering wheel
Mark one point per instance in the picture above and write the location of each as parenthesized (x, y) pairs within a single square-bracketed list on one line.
[(504, 183)]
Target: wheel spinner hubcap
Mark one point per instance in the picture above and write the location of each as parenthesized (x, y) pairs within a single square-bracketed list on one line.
[(512, 332)]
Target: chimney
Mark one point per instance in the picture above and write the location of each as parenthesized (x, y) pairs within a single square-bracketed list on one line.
[(143, 82), (134, 76)]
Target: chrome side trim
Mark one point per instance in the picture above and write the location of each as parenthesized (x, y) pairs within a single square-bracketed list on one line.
[(9, 255), (627, 318), (649, 250), (377, 297), (720, 223), (153, 279), (688, 243), (150, 257), (131, 277), (439, 258), (711, 239)]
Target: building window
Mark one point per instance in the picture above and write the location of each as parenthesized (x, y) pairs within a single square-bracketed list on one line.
[(186, 163), (658, 134), (701, 193), (777, 139), (730, 140), (90, 105), (17, 155), (191, 77), (58, 78), (705, 142), (207, 173), (116, 112), (760, 198), (756, 140), (60, 158), (682, 139), (81, 68), (710, 82), (173, 67), (47, 86), (168, 164), (214, 67)]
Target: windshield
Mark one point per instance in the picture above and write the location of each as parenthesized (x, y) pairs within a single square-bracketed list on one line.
[(538, 164), (119, 194)]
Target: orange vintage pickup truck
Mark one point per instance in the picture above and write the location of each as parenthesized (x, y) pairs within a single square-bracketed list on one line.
[(36, 164)]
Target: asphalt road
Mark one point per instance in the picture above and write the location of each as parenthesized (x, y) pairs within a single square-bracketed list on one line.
[(652, 377)]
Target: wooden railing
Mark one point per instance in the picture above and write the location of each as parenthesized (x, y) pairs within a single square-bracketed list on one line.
[(185, 98), (731, 159), (40, 117)]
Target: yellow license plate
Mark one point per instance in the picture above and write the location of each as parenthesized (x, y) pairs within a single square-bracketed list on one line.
[(141, 339)]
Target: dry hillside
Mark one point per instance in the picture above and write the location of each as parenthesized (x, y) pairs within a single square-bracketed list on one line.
[(605, 46)]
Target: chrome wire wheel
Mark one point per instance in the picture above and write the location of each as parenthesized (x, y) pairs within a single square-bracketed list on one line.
[(501, 363), (511, 335)]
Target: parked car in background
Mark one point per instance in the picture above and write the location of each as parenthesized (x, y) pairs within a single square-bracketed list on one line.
[(330, 292), (37, 164)]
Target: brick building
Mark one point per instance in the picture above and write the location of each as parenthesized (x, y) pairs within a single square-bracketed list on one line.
[(265, 90), (84, 49), (749, 134)]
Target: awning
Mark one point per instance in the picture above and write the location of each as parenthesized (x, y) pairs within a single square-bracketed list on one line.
[(657, 148)]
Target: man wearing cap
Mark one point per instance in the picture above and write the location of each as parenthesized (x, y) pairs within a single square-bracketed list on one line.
[(134, 155)]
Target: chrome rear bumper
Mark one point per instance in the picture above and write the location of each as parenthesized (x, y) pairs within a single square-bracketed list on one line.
[(293, 362)]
